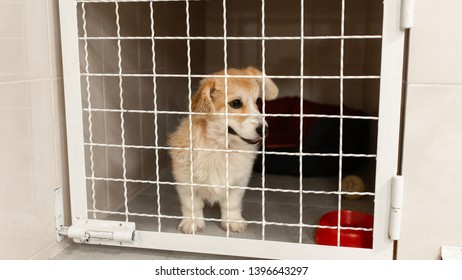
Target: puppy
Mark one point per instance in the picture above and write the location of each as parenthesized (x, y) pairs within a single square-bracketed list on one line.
[(209, 132)]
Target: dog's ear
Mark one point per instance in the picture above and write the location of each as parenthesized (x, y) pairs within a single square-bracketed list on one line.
[(271, 90), (202, 101)]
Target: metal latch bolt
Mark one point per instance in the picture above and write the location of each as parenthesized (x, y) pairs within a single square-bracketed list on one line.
[(99, 230)]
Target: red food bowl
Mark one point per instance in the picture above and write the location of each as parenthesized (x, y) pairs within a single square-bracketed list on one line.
[(348, 237)]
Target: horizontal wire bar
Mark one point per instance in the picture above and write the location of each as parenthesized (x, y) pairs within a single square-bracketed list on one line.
[(268, 38), (139, 75), (222, 220), (228, 151), (229, 114), (113, 1), (230, 186)]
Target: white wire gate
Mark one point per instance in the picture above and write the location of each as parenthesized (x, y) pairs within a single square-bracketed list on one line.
[(108, 61)]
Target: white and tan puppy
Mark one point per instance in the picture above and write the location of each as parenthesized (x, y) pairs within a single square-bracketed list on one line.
[(209, 132)]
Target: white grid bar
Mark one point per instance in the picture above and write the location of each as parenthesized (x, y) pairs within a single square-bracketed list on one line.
[(230, 151), (155, 182), (243, 38), (302, 71), (312, 77), (219, 220), (231, 114), (133, 1), (263, 159), (90, 122), (190, 93), (156, 133), (340, 164), (225, 62), (122, 119)]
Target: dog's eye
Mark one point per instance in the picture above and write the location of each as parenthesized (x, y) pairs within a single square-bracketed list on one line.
[(236, 104), (258, 101)]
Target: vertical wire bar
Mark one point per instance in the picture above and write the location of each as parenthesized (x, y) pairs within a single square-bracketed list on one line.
[(263, 170), (191, 159), (302, 57), (225, 58), (140, 79), (90, 122), (156, 133), (122, 119), (342, 53)]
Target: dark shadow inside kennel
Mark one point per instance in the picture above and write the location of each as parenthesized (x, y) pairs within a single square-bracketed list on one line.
[(129, 173)]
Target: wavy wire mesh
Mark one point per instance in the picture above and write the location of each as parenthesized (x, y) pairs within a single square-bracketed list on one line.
[(114, 192)]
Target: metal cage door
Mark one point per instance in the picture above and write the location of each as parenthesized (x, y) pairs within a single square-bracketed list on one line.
[(86, 228)]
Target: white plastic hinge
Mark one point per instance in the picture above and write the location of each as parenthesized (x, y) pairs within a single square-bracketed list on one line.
[(59, 212), (99, 231), (407, 13), (396, 205), (451, 253)]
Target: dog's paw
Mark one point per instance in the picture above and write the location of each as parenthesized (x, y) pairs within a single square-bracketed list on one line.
[(238, 227), (186, 226)]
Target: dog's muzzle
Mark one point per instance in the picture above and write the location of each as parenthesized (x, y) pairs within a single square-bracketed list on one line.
[(248, 141)]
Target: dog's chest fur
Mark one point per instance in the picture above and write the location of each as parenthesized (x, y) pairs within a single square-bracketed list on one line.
[(209, 167)]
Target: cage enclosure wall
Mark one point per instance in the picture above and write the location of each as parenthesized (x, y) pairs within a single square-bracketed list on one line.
[(141, 61)]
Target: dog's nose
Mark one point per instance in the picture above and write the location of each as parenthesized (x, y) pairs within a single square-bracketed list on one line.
[(260, 130)]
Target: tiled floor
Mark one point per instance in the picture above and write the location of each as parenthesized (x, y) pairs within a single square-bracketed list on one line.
[(280, 207)]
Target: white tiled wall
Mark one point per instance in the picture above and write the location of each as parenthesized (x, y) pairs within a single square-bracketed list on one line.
[(436, 41), (32, 142), (432, 143)]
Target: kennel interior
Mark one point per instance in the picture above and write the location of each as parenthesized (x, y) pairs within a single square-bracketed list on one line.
[(140, 61)]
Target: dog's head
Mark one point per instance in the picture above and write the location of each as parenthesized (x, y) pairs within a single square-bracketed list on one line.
[(243, 96)]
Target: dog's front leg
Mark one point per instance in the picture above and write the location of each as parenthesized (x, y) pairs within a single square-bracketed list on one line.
[(189, 205), (231, 211)]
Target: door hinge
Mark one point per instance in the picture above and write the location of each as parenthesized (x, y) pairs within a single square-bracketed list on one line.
[(407, 13), (59, 212), (100, 231), (396, 205)]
